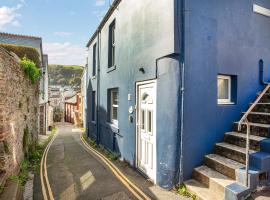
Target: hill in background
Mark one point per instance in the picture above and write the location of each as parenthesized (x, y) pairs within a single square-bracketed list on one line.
[(65, 75)]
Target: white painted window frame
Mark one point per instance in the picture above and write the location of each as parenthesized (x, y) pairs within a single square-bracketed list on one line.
[(113, 121), (229, 100)]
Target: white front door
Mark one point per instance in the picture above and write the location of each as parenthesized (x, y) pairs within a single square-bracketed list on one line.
[(146, 128)]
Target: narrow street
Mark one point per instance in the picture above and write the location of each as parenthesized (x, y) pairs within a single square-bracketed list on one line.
[(74, 173)]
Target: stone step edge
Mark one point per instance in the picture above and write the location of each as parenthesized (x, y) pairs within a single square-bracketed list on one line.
[(201, 191), (219, 179), (225, 164), (243, 135)]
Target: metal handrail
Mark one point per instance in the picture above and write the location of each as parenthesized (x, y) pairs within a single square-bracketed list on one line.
[(245, 121)]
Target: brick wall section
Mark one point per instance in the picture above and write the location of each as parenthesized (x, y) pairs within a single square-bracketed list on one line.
[(18, 110)]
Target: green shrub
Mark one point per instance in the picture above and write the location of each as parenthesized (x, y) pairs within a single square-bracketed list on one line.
[(57, 114), (24, 51), (30, 69)]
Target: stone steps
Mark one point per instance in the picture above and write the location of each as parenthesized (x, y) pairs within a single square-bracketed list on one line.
[(239, 139), (201, 191), (231, 151), (265, 98), (255, 129), (214, 180), (261, 107), (222, 164), (259, 117)]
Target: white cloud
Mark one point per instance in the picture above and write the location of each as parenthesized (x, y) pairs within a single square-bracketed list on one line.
[(63, 34), (100, 2), (9, 15), (65, 53)]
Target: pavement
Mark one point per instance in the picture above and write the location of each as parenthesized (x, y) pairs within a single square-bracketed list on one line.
[(75, 173)]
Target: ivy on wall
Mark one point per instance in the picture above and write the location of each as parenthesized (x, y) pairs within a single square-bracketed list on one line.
[(30, 69)]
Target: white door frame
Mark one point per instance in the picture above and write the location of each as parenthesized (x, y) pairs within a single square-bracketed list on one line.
[(154, 128)]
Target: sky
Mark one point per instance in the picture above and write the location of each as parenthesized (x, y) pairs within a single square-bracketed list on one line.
[(64, 25)]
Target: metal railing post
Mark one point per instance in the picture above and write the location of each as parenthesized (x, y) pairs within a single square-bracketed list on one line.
[(244, 120), (247, 151)]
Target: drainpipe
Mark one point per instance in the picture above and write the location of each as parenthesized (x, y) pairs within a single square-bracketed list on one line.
[(98, 87), (181, 32)]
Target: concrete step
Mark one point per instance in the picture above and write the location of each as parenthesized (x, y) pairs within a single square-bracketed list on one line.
[(265, 98), (201, 191), (231, 151), (255, 129), (261, 107), (222, 164), (259, 117), (239, 139), (214, 180)]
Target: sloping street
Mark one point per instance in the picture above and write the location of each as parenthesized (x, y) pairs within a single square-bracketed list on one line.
[(74, 173)]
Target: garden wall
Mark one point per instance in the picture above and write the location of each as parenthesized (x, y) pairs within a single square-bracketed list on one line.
[(19, 103)]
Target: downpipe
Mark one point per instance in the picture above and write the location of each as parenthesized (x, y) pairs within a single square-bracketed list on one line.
[(181, 33), (98, 88)]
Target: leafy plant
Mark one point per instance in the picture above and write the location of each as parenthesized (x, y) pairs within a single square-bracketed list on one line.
[(182, 190), (30, 69), (22, 178), (32, 162)]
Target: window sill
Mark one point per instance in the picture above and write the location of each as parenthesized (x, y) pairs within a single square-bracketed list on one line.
[(93, 122), (226, 103), (113, 127), (112, 68), (94, 77)]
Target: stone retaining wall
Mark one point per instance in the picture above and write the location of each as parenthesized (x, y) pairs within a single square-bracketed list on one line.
[(19, 104)]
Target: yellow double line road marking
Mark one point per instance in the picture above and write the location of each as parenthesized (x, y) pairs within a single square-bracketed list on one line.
[(45, 184), (138, 193)]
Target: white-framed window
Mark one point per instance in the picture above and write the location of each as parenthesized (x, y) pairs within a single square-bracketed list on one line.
[(224, 85), (111, 56), (113, 103)]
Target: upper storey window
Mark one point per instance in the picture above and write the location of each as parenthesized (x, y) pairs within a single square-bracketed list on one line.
[(111, 52)]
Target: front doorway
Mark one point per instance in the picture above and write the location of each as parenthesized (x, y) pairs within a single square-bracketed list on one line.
[(146, 128)]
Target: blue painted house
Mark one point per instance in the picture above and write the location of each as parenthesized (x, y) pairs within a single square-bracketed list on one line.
[(168, 79)]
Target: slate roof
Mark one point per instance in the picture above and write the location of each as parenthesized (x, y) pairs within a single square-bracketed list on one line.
[(20, 36)]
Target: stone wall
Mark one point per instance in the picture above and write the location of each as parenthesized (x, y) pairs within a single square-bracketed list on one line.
[(19, 104)]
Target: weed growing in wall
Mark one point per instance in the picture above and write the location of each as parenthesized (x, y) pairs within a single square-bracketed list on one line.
[(30, 69)]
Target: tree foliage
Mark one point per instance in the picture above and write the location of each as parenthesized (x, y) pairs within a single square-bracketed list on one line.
[(65, 75)]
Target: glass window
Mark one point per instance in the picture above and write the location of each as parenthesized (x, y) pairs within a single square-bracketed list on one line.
[(94, 59), (143, 119), (150, 120), (93, 106), (224, 89), (113, 94), (112, 45)]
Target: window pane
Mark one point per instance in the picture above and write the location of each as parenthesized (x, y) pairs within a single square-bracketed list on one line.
[(143, 119), (114, 113), (150, 120), (115, 98), (223, 88)]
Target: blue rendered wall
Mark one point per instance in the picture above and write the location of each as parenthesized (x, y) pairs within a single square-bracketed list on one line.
[(144, 38), (223, 37)]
